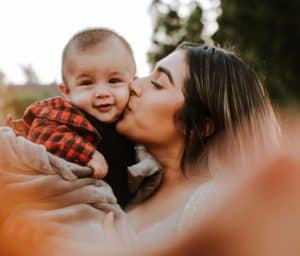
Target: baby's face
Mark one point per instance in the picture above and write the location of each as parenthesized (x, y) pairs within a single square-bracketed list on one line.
[(98, 79)]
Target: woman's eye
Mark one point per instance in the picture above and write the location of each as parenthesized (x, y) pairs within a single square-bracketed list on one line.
[(86, 82), (156, 84)]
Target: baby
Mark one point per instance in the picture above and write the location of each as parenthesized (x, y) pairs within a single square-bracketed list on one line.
[(97, 68)]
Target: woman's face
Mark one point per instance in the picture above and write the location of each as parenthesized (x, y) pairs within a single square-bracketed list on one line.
[(154, 100)]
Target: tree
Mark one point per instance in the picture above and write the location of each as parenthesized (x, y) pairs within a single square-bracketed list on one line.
[(267, 34), (30, 75), (171, 28)]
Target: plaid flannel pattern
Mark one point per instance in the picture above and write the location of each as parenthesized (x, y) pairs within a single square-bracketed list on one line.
[(62, 129)]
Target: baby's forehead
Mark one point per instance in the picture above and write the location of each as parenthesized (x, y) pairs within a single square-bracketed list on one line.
[(78, 70), (109, 46), (101, 60)]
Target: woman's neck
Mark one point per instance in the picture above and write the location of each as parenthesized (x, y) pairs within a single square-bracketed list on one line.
[(170, 160), (175, 189)]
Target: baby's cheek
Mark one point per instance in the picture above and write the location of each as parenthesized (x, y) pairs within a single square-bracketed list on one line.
[(121, 96), (81, 99)]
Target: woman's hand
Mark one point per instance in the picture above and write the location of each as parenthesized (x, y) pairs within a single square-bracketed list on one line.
[(258, 215), (21, 155), (38, 205), (67, 170)]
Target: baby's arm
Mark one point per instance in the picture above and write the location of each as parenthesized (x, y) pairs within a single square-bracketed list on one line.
[(65, 142), (18, 125)]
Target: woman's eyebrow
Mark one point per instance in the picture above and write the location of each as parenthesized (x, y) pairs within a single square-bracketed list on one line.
[(167, 72)]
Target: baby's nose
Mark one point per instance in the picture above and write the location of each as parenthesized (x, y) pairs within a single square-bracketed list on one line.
[(102, 92)]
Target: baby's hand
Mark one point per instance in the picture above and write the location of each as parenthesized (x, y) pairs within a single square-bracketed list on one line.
[(18, 125), (99, 165)]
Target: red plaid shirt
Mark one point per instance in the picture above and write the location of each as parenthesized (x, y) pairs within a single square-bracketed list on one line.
[(62, 129)]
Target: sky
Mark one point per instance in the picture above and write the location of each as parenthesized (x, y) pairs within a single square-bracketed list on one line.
[(34, 32)]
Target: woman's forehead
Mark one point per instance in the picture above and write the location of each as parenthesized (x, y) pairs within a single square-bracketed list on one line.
[(175, 63), (174, 60)]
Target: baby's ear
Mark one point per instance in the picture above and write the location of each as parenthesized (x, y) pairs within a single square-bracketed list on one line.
[(63, 89)]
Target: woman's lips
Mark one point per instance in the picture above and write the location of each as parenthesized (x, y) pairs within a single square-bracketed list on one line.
[(129, 106), (127, 110)]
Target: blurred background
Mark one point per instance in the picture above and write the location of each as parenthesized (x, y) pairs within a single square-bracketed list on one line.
[(33, 33)]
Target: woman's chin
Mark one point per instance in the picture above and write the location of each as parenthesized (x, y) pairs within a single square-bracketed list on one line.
[(127, 129), (122, 126)]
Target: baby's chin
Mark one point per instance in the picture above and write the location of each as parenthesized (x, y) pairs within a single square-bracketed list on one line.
[(108, 118)]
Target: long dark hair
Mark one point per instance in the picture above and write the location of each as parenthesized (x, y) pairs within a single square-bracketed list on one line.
[(221, 93)]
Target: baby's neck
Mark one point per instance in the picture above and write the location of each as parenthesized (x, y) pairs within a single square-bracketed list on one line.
[(97, 123)]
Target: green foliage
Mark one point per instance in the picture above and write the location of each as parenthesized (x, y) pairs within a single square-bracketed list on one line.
[(15, 99), (170, 28), (18, 102), (267, 35)]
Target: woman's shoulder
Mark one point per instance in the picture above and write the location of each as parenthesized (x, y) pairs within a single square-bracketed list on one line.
[(198, 205)]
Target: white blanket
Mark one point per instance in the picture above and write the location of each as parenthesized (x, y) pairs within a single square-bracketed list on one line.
[(37, 203)]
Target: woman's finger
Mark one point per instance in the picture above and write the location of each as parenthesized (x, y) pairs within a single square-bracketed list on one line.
[(61, 167), (108, 207), (71, 214), (109, 229), (7, 177), (67, 170), (89, 194), (117, 231), (41, 186), (82, 171)]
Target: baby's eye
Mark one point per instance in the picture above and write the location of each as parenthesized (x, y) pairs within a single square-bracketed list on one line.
[(115, 80), (86, 82)]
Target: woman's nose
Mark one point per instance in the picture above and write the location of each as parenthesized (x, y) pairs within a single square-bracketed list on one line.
[(136, 87)]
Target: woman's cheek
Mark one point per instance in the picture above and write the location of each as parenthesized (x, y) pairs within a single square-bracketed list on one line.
[(159, 112)]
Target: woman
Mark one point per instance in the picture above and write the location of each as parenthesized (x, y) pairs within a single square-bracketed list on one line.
[(179, 112), (195, 95)]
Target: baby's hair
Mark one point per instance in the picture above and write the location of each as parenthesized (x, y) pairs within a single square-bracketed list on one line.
[(89, 38)]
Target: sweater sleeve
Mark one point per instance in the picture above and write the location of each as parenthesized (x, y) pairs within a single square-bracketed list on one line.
[(61, 140)]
